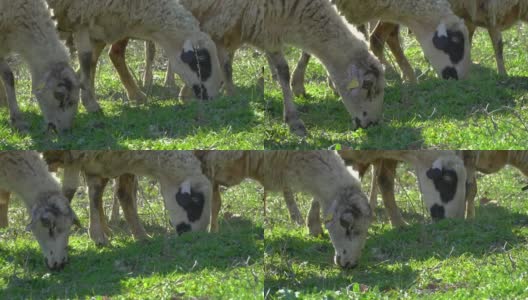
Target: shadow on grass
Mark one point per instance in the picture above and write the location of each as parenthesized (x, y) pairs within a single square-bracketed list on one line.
[(386, 257), (102, 271), (155, 121)]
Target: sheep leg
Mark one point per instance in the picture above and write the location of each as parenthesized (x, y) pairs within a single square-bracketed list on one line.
[(86, 57), (273, 70), (314, 219), (170, 80), (150, 53), (215, 209), (117, 56), (295, 214), (386, 184), (298, 75), (374, 188), (470, 160), (15, 114), (226, 61), (96, 187), (3, 100), (394, 43), (290, 112), (471, 30), (498, 47), (378, 38), (114, 216), (127, 195), (4, 204), (70, 182)]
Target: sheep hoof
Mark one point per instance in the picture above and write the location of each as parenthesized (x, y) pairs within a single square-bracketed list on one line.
[(299, 91), (316, 231), (297, 127), (99, 238)]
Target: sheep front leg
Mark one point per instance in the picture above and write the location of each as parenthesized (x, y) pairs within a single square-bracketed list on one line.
[(117, 56), (150, 54), (226, 61), (290, 112), (127, 195), (295, 214), (373, 201), (15, 115), (96, 187), (386, 183), (86, 57), (470, 160), (498, 47), (215, 207), (394, 43), (4, 205), (314, 219), (298, 75)]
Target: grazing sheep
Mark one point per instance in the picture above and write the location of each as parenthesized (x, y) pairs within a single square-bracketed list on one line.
[(312, 25), (494, 15), (320, 173), (26, 174), (442, 35), (95, 23), (26, 28), (185, 190)]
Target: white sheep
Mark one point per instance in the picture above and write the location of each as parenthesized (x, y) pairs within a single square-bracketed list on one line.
[(312, 25), (27, 29), (95, 23), (442, 35), (185, 190), (319, 173), (26, 174)]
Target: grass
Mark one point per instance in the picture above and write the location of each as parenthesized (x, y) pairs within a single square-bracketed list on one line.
[(486, 111), (482, 258), (226, 265)]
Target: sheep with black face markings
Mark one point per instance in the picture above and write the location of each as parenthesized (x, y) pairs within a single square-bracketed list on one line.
[(312, 25), (320, 173), (95, 23), (26, 28), (442, 35), (185, 190), (26, 174)]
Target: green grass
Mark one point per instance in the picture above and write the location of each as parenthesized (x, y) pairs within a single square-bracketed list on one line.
[(225, 265), (482, 258), (486, 111)]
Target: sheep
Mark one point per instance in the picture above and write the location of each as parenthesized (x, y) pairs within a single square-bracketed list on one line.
[(442, 35), (496, 16), (26, 28), (95, 23), (312, 25), (25, 174), (186, 191), (320, 173)]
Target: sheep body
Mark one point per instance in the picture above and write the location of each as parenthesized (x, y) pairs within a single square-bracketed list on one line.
[(27, 29), (26, 174)]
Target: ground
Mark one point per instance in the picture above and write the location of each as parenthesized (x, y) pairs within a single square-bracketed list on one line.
[(486, 111), (225, 265), (454, 259)]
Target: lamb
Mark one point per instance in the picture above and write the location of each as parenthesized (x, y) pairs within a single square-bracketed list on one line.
[(95, 23), (320, 173), (312, 25), (442, 35), (494, 15), (26, 28), (26, 174), (185, 190)]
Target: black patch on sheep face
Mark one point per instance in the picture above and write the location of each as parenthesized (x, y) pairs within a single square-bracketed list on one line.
[(437, 212), (183, 228), (450, 73), (445, 182), (193, 204), (452, 45), (9, 78), (199, 60), (200, 91)]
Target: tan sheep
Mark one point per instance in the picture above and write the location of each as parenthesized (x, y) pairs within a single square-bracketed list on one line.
[(26, 28), (26, 174), (95, 23), (185, 190)]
